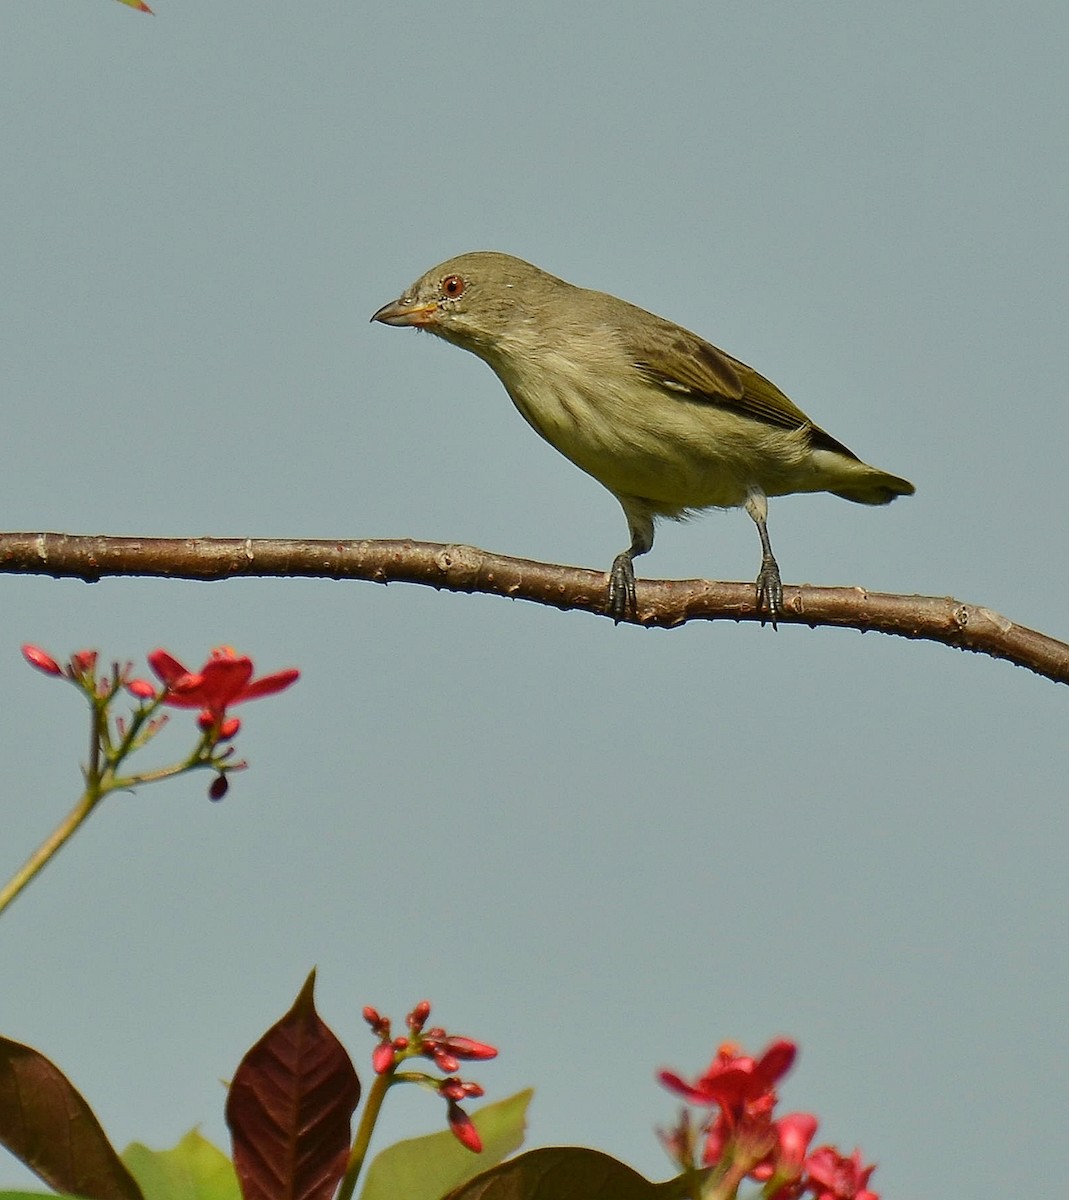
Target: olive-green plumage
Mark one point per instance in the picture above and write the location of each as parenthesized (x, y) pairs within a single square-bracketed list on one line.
[(664, 420)]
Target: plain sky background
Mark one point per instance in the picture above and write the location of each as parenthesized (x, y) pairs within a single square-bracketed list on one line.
[(604, 849)]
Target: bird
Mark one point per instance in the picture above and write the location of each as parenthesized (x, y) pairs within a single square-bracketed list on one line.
[(664, 420)]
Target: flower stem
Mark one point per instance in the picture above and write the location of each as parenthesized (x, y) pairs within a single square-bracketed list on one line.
[(65, 830), (54, 842), (362, 1140), (727, 1186)]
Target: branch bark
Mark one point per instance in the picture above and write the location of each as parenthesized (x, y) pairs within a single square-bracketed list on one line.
[(458, 568)]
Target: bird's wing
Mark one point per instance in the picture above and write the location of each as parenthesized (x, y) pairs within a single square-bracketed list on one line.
[(688, 367)]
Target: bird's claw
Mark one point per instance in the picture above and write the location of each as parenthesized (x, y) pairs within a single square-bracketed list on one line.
[(622, 602), (769, 591)]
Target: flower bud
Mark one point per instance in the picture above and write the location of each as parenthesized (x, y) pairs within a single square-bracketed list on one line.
[(36, 657), (464, 1047), (417, 1018), (382, 1058), (463, 1128), (83, 662)]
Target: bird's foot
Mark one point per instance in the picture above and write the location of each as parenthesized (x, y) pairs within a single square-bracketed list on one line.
[(621, 602), (769, 590)]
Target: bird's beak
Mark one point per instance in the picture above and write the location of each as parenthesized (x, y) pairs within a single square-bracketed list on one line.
[(402, 312)]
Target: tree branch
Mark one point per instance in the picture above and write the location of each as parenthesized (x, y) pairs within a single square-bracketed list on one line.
[(457, 568)]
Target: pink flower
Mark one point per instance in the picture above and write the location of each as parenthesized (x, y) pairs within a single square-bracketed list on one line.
[(224, 680), (834, 1177)]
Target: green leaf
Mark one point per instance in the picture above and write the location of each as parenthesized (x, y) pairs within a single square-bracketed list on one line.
[(36, 1196), (566, 1173), (46, 1124), (426, 1168), (193, 1170)]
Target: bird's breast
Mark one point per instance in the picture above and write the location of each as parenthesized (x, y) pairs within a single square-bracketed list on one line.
[(641, 440)]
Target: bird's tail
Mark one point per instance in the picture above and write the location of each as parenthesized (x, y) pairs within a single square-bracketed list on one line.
[(875, 487)]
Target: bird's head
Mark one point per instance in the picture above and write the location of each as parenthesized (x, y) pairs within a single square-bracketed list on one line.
[(480, 301)]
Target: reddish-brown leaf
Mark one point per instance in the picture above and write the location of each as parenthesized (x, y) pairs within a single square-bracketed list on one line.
[(566, 1173), (46, 1124), (290, 1107)]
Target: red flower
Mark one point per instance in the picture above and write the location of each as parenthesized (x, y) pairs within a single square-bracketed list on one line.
[(785, 1161), (794, 1132), (224, 680), (744, 1090), (834, 1177), (734, 1080)]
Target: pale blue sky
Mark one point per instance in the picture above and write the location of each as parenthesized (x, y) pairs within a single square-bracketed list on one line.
[(604, 849)]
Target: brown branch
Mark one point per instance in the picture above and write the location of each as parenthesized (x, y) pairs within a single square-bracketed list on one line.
[(457, 568)]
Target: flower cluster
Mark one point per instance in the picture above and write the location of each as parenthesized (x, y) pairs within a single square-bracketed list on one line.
[(743, 1138), (225, 679), (80, 668), (445, 1050)]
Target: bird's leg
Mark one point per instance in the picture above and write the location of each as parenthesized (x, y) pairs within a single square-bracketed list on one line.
[(769, 586), (622, 602)]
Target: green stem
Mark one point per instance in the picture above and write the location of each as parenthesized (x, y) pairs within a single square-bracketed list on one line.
[(727, 1187), (66, 829), (127, 783), (55, 840), (98, 726), (363, 1135), (100, 779)]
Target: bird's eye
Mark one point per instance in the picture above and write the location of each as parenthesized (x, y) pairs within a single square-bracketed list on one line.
[(452, 286)]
